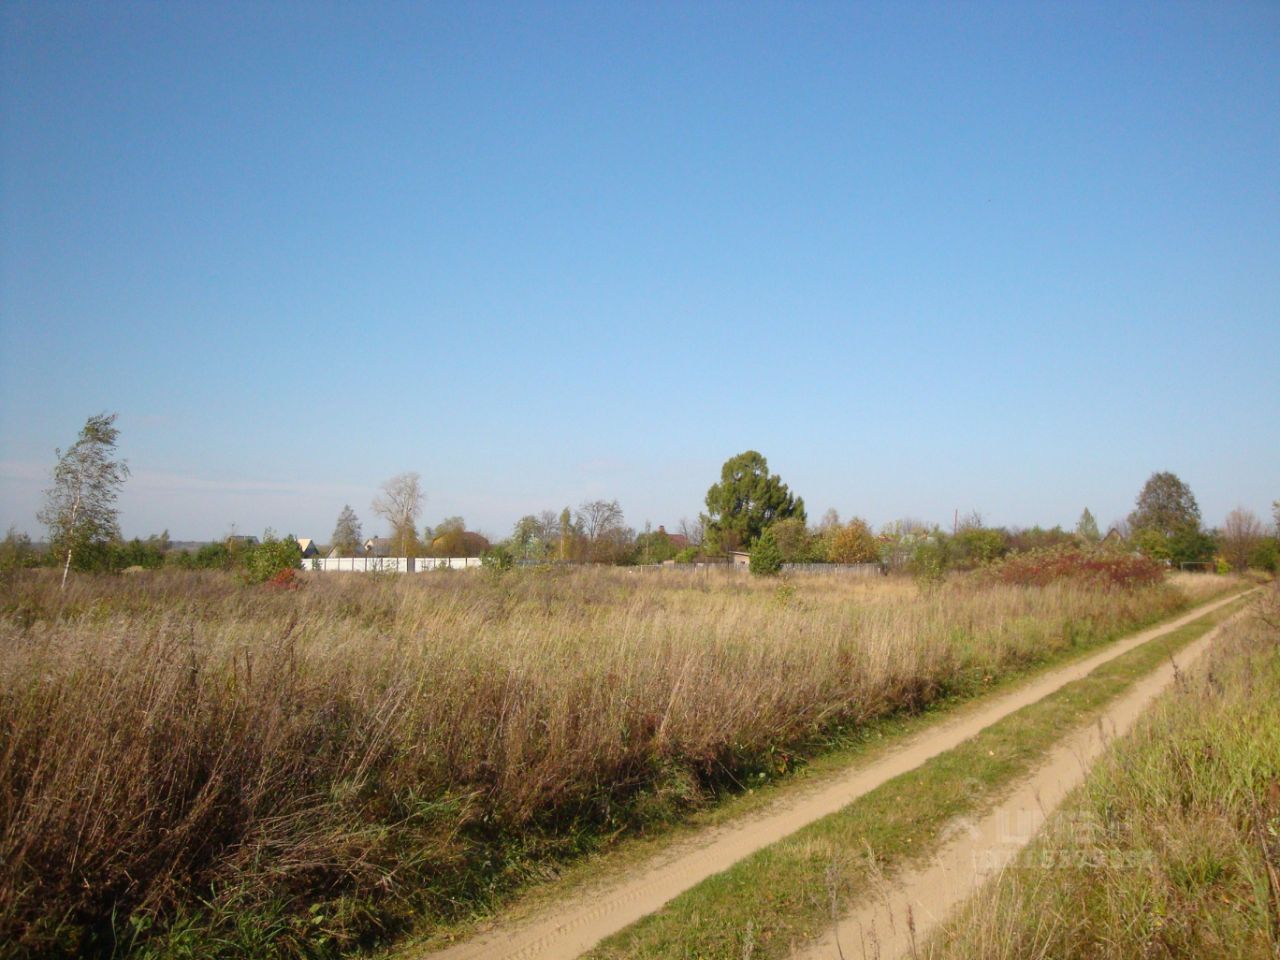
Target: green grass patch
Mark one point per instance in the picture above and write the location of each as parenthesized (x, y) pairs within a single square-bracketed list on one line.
[(786, 894)]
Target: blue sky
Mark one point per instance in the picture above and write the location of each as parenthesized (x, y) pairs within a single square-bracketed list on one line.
[(1011, 258)]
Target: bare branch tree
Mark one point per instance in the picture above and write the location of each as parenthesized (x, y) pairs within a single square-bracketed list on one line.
[(399, 504), (598, 516), (1241, 534), (694, 531), (548, 526), (604, 530)]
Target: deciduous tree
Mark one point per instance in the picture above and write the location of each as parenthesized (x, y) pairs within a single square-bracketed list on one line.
[(794, 540), (459, 543), (568, 536), (654, 546), (526, 538), (1166, 522), (1241, 535), (80, 508), (604, 529), (399, 504), (853, 543), (694, 531), (1165, 504)]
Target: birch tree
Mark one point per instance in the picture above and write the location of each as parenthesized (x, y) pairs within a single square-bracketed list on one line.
[(80, 507)]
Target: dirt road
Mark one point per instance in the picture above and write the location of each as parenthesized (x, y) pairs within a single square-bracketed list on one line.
[(566, 930), (904, 911)]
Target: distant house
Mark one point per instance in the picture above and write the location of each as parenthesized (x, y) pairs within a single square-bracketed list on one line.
[(308, 548), (1113, 537), (678, 540), (740, 559), (377, 547)]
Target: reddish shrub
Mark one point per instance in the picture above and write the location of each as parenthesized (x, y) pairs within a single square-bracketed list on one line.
[(1040, 567), (286, 579)]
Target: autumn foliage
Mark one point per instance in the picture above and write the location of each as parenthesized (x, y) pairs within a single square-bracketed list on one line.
[(1039, 568)]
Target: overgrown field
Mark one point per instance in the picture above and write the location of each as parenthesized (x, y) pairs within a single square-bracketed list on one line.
[(1172, 847), (191, 766)]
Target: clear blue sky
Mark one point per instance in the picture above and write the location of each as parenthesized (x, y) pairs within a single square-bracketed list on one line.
[(1011, 258)]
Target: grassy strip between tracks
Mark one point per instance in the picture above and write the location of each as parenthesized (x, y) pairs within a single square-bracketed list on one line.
[(786, 894)]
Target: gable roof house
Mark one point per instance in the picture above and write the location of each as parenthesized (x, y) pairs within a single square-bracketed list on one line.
[(308, 548), (378, 547)]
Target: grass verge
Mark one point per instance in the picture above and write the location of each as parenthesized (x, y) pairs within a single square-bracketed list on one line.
[(1171, 848), (787, 894)]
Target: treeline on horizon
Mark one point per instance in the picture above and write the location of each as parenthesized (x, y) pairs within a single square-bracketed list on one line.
[(748, 509), (596, 533)]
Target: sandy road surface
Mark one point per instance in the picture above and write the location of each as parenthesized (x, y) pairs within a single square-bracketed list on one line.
[(904, 910), (567, 929)]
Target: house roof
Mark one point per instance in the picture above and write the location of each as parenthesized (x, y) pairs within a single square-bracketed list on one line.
[(378, 546), (678, 540)]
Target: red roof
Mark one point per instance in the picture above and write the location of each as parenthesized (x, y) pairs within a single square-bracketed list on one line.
[(678, 540)]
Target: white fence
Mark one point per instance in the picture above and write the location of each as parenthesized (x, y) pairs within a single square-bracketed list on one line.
[(388, 564)]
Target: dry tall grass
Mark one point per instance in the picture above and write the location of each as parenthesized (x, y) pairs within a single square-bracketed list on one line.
[(342, 756), (1172, 846)]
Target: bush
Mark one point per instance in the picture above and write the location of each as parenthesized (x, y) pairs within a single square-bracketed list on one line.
[(213, 556), (853, 543), (497, 560), (795, 542), (286, 579), (1266, 556), (979, 546), (16, 551), (271, 557), (1042, 567), (766, 555), (930, 560)]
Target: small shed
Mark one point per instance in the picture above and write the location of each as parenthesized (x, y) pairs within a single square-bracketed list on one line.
[(740, 559)]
